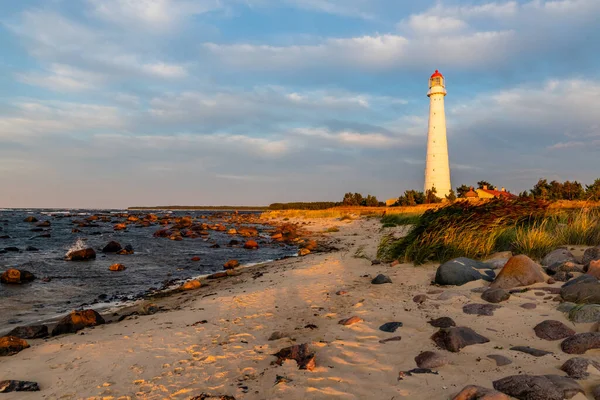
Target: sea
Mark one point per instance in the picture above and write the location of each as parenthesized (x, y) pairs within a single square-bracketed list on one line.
[(157, 263)]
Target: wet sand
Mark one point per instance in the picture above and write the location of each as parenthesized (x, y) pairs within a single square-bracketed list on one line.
[(176, 355)]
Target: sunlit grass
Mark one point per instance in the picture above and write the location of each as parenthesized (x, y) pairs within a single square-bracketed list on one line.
[(351, 212)]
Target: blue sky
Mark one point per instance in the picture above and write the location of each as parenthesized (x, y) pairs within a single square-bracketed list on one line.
[(112, 103)]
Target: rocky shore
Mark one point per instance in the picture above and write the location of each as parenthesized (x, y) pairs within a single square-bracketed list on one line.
[(334, 324)]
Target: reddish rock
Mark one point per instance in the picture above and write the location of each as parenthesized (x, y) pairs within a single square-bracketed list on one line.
[(231, 264), (30, 219), (218, 275), (81, 255), (76, 321), (16, 276), (303, 252), (120, 227), (553, 330), (196, 258), (29, 332), (248, 231), (350, 321), (594, 269), (430, 359), (473, 392), (300, 353), (10, 345), (251, 245), (394, 263), (454, 339), (117, 267), (519, 271), (581, 342), (191, 285)]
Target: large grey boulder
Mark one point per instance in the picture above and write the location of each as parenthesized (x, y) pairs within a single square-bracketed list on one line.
[(585, 313), (591, 254), (558, 256), (542, 387), (581, 293), (463, 270)]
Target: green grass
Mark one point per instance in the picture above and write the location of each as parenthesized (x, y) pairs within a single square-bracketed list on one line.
[(401, 219)]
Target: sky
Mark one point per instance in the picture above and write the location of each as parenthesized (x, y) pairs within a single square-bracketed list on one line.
[(115, 103)]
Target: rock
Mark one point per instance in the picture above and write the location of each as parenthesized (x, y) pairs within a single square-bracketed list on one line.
[(18, 386), (581, 342), (480, 309), (30, 219), (495, 295), (31, 248), (532, 387), (580, 368), (462, 270), (81, 255), (11, 345), (350, 321), (278, 335), (303, 252), (29, 332), (300, 353), (219, 275), (529, 306), (420, 298), (381, 279), (594, 269), (585, 313), (120, 227), (568, 386), (562, 276), (208, 396), (16, 277), (390, 326), (565, 266), (450, 295), (591, 254), (531, 351), (558, 256), (552, 330), (519, 271), (112, 247), (231, 231), (581, 293), (566, 307), (191, 285), (251, 245), (501, 360), (117, 267), (392, 339), (596, 393), (149, 309), (196, 259), (76, 321), (126, 251), (454, 339), (231, 264), (430, 359), (473, 392), (442, 322), (581, 279)]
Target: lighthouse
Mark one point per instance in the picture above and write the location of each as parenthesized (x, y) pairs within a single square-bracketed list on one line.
[(437, 166)]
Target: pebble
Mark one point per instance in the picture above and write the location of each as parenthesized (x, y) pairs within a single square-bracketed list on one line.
[(390, 326)]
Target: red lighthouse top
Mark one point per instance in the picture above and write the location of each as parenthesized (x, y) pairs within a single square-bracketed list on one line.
[(437, 73)]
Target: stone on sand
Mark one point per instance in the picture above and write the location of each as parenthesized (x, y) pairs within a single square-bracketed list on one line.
[(519, 271), (76, 321), (191, 285), (538, 387), (480, 309), (442, 322), (431, 359), (558, 256), (552, 330), (585, 313), (390, 326), (531, 351), (500, 359), (454, 339), (462, 270), (18, 386), (350, 321), (381, 279), (10, 345), (30, 332), (581, 342), (581, 293), (495, 295), (580, 368), (473, 392), (300, 353)]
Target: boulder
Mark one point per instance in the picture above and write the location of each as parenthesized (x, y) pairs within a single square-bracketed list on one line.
[(581, 342), (251, 245), (16, 276), (303, 252), (581, 293), (580, 368), (10, 345), (381, 279), (473, 392), (231, 264), (594, 269), (454, 339), (581, 279), (442, 322), (565, 266), (542, 387), (495, 295), (191, 285), (117, 267), (480, 309), (558, 256), (112, 247), (462, 270), (519, 271), (585, 313), (81, 255), (30, 219), (126, 251), (430, 359), (120, 227), (18, 386), (30, 332), (76, 321), (300, 353), (591, 254), (552, 330)]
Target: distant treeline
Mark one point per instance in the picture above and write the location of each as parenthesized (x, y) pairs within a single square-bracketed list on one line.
[(317, 205), (224, 208)]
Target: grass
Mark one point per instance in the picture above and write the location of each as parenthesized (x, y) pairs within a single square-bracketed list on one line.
[(477, 230), (401, 219), (332, 229), (360, 253), (351, 212)]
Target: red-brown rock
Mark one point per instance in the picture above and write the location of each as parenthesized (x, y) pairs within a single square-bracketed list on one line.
[(117, 267), (10, 345), (300, 353), (191, 285), (519, 271), (76, 321), (251, 245), (231, 264), (16, 276), (473, 392), (81, 255)]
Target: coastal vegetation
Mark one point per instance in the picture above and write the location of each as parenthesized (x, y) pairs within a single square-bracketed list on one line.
[(476, 230)]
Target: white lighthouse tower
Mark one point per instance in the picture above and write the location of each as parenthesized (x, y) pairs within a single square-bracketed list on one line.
[(437, 166)]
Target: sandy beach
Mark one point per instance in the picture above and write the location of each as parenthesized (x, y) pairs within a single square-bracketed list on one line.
[(215, 339)]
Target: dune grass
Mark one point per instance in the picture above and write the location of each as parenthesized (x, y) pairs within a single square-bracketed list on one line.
[(348, 212), (477, 230), (400, 219)]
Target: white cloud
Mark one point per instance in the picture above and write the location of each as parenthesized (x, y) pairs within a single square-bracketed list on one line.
[(62, 78), (352, 139), (422, 24), (152, 15)]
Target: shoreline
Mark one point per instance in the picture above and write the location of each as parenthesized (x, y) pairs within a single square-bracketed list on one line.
[(216, 339)]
